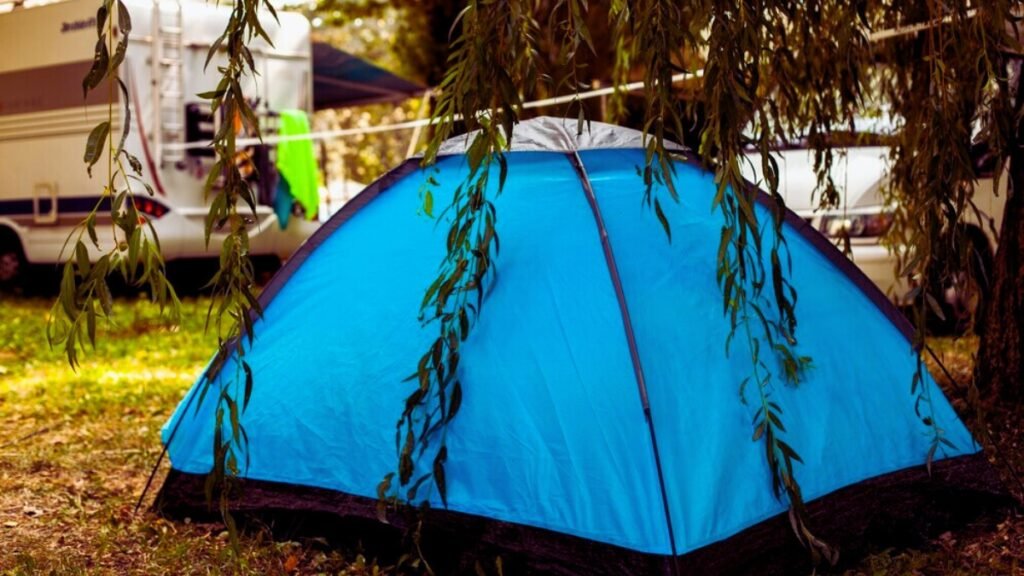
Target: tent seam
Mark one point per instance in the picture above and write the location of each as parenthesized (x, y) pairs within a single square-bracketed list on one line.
[(634, 353)]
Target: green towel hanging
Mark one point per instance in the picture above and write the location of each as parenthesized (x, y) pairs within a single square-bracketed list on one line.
[(296, 163)]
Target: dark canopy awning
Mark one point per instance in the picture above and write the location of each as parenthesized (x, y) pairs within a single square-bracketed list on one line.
[(341, 79)]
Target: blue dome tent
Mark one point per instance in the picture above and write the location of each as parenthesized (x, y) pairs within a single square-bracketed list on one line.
[(552, 454)]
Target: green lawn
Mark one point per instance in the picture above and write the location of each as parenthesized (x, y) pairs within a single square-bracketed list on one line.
[(76, 448)]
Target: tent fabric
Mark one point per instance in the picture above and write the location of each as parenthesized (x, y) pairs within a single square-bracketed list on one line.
[(341, 79), (552, 434)]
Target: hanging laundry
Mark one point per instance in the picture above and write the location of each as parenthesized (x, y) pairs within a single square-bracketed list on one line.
[(296, 163)]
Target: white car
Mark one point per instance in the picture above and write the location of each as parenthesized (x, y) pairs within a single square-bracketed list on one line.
[(860, 174)]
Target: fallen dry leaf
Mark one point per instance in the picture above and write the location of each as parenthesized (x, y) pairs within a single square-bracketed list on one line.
[(32, 511)]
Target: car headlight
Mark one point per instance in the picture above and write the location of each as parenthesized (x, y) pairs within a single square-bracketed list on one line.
[(856, 225)]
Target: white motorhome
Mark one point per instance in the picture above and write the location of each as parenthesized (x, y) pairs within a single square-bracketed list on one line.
[(44, 122), (860, 175)]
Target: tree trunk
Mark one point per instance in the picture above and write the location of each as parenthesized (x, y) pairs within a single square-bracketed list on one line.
[(1000, 368)]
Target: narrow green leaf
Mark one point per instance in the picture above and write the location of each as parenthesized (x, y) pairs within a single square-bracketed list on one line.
[(95, 143), (105, 297), (428, 203), (248, 385), (456, 400), (788, 450), (82, 259), (933, 304), (439, 478), (758, 432), (124, 19), (100, 65), (661, 218), (383, 489), (91, 321)]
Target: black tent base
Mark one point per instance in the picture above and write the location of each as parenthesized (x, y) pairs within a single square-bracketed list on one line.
[(904, 508)]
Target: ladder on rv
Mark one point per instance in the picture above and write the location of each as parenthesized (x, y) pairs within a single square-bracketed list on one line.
[(168, 61)]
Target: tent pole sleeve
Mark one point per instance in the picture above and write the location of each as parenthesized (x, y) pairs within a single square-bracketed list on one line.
[(634, 354)]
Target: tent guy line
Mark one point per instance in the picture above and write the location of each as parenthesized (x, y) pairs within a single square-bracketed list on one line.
[(335, 134)]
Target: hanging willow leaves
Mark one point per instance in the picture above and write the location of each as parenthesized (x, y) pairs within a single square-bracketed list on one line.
[(933, 200), (659, 38), (760, 89), (131, 250), (572, 36), (234, 304), (740, 45), (492, 58)]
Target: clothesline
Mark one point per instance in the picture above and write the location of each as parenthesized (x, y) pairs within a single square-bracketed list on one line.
[(346, 132)]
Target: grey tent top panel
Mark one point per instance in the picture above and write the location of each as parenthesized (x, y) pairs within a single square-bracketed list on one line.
[(547, 134)]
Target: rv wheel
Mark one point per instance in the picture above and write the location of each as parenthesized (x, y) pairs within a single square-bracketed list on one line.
[(12, 261)]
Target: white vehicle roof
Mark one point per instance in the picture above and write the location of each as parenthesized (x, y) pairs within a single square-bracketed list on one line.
[(858, 174)]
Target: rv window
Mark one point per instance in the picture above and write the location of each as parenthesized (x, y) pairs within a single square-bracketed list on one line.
[(199, 128)]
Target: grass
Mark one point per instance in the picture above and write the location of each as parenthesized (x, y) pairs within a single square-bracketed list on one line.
[(76, 448)]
